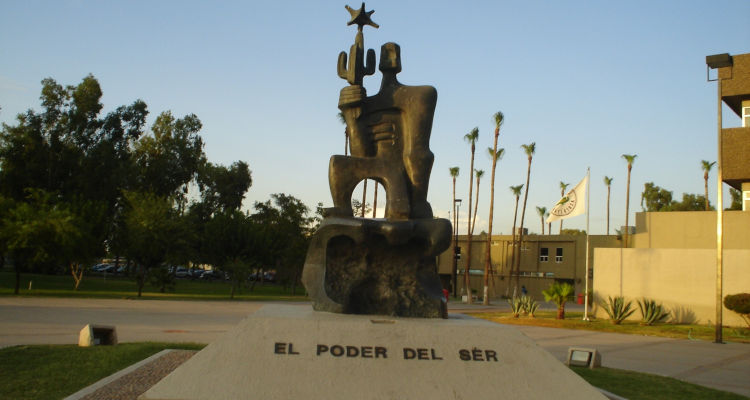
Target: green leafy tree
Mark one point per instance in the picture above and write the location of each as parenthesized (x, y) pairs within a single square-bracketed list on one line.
[(470, 137), (630, 159), (736, 199), (154, 233), (655, 198), (223, 188), (706, 166), (559, 293), (691, 202)]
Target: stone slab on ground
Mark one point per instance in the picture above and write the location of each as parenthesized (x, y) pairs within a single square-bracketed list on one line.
[(284, 352)]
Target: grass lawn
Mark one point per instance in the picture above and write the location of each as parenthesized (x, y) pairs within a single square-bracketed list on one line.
[(97, 286), (53, 372), (573, 321), (638, 386)]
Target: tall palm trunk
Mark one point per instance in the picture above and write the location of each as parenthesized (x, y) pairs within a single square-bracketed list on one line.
[(454, 237), (627, 207), (523, 216), (514, 250), (476, 201), (375, 201), (364, 198), (487, 253), (705, 187), (609, 189), (467, 263)]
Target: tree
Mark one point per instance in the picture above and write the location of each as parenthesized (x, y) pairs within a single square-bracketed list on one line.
[(495, 155), (470, 137), (287, 222), (529, 149), (359, 208), (375, 201), (234, 243), (690, 202), (170, 158), (629, 158), (154, 233), (35, 231), (655, 198), (454, 175), (559, 293), (563, 186), (608, 184), (542, 211), (706, 166), (516, 190), (479, 174), (736, 199), (223, 189)]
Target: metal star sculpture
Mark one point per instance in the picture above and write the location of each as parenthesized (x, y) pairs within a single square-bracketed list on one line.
[(361, 17)]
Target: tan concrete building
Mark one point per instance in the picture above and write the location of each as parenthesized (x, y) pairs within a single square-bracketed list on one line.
[(544, 259), (674, 259)]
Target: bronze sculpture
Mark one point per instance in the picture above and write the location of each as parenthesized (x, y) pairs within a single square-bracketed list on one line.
[(386, 266)]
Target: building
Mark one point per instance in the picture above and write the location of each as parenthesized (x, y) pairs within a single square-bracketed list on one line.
[(544, 259), (674, 259)]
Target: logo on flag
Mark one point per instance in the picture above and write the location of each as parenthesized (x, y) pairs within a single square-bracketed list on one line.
[(572, 204)]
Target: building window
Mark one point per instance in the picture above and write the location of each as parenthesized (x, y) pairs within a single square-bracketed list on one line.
[(559, 255), (543, 254), (746, 117)]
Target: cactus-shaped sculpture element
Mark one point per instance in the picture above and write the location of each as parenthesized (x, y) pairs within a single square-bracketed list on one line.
[(357, 68)]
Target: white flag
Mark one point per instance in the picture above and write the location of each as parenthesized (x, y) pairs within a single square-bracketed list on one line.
[(572, 204)]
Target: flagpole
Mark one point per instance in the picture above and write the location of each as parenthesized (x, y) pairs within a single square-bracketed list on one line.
[(588, 205)]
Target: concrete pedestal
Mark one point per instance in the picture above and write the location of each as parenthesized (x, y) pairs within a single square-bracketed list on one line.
[(291, 352)]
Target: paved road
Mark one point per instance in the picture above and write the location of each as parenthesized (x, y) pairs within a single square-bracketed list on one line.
[(58, 321)]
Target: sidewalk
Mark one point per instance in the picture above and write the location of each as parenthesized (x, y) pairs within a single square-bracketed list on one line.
[(48, 320), (719, 366)]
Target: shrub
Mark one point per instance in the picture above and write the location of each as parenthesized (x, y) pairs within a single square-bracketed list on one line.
[(618, 309), (529, 305), (559, 293), (651, 312), (516, 306), (739, 303)]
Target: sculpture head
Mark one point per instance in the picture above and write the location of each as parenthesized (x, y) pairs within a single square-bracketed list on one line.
[(390, 58)]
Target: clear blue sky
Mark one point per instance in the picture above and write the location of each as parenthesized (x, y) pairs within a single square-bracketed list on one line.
[(587, 81)]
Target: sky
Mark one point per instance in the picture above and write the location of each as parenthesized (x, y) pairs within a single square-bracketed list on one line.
[(586, 81)]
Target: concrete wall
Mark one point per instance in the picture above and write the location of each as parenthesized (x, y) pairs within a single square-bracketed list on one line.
[(690, 230), (684, 280)]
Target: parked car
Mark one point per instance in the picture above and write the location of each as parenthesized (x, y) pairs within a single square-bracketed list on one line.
[(213, 274), (195, 273), (181, 272)]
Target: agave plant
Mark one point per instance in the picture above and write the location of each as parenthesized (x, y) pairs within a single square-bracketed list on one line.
[(651, 312), (618, 309), (529, 305), (516, 306)]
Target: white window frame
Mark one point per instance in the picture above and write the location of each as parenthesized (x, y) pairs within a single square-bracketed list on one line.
[(559, 259), (543, 257), (746, 117)]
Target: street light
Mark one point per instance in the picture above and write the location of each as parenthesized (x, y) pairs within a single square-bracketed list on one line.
[(713, 62), (456, 204)]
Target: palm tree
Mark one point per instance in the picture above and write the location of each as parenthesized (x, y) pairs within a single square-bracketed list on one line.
[(559, 293), (479, 174), (608, 183), (454, 175), (375, 201), (516, 190), (529, 149), (549, 224), (542, 211), (706, 168), (470, 137), (346, 133), (630, 158), (495, 154), (563, 186), (364, 196)]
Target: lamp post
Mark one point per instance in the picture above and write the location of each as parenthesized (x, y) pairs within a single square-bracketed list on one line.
[(456, 204), (713, 62)]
